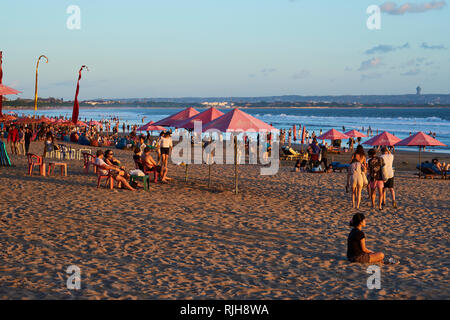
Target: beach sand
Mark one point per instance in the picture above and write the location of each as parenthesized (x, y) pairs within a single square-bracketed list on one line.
[(282, 237)]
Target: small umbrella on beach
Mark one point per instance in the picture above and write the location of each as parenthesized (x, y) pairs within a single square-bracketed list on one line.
[(383, 139), (420, 140), (332, 134), (355, 134), (94, 123), (151, 127)]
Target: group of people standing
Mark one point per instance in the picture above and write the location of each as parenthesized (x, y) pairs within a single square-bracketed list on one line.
[(376, 173)]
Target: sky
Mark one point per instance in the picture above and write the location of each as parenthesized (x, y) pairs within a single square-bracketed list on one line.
[(223, 48)]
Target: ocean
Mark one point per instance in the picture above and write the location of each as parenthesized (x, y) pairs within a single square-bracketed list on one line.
[(398, 121)]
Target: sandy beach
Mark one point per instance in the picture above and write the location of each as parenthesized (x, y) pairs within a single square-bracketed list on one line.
[(282, 237)]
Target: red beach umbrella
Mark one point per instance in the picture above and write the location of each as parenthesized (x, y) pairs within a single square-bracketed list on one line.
[(238, 121), (332, 134), (174, 120), (151, 127), (295, 132), (383, 139), (204, 117), (420, 140), (355, 134)]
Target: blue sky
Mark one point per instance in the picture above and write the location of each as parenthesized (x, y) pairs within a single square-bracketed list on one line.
[(179, 48)]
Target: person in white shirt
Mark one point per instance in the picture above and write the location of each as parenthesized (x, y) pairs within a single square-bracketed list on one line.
[(388, 175), (116, 173), (166, 146)]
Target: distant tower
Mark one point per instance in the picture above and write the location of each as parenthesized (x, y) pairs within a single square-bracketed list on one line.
[(418, 90)]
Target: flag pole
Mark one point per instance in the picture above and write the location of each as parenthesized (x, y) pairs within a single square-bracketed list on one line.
[(36, 84)]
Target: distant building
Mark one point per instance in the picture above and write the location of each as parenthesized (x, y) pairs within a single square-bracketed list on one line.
[(418, 90)]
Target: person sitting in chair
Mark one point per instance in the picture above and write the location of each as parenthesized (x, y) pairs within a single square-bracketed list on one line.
[(150, 164), (116, 173)]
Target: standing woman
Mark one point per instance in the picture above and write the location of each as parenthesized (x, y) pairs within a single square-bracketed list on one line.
[(166, 146), (356, 243), (355, 180)]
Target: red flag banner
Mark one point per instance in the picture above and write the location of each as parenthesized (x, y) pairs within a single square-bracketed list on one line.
[(76, 107)]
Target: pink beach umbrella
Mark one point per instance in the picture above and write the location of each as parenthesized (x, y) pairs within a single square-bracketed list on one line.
[(94, 123), (204, 117), (383, 139), (332, 134), (238, 121), (420, 140), (151, 127), (177, 118), (355, 134)]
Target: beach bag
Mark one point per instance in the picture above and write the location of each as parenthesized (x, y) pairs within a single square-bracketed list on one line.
[(137, 172)]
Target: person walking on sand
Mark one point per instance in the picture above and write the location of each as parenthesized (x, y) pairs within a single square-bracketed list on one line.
[(388, 175), (375, 166), (355, 181), (356, 243)]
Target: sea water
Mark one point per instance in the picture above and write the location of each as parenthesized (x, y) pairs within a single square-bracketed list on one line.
[(398, 121)]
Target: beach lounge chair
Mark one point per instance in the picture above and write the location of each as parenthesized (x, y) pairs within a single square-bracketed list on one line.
[(429, 170), (337, 166), (35, 161), (89, 160), (291, 154)]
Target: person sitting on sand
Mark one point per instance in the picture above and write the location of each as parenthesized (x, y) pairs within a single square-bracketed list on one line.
[(300, 166), (116, 172), (150, 164), (356, 243)]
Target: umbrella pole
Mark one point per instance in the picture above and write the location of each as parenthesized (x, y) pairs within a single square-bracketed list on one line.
[(186, 173), (420, 163), (235, 166)]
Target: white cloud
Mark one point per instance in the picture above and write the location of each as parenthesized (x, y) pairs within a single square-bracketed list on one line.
[(369, 64), (394, 9)]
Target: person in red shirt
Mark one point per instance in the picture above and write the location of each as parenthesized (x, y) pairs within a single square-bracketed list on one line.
[(13, 137)]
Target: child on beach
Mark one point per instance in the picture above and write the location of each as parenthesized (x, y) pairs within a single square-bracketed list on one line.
[(356, 243)]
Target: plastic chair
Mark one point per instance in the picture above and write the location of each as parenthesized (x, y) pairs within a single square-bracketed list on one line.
[(109, 178), (140, 165), (89, 159), (35, 161)]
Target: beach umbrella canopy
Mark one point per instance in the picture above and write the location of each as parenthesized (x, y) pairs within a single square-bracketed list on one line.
[(4, 118), (332, 134), (204, 117), (26, 120), (420, 139), (151, 127), (94, 123), (81, 124), (238, 121), (4, 90), (173, 120), (355, 134), (45, 119), (383, 139)]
